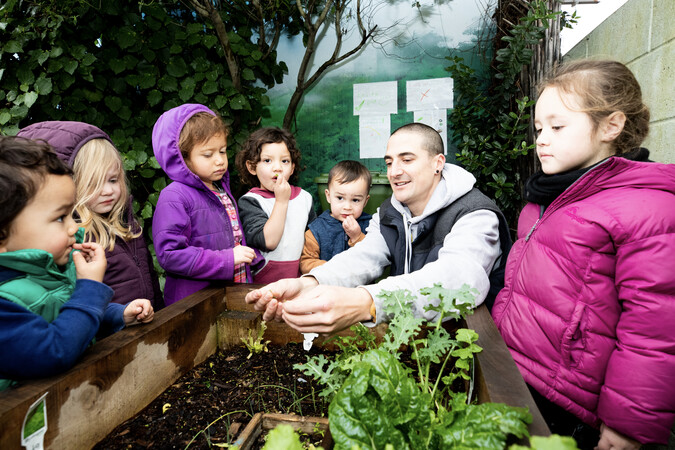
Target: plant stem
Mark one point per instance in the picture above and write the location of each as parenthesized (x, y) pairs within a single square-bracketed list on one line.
[(209, 425)]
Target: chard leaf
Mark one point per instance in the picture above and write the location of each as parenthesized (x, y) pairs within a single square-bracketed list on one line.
[(484, 426), (552, 442), (283, 437), (378, 404)]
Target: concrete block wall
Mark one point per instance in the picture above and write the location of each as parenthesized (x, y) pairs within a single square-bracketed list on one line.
[(641, 35)]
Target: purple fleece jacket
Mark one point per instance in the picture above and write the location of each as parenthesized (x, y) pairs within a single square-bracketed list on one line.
[(192, 233), (130, 272)]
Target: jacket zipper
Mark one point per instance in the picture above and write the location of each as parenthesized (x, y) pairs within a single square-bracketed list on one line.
[(542, 212)]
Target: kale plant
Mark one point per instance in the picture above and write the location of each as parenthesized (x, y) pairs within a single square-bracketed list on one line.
[(377, 401)]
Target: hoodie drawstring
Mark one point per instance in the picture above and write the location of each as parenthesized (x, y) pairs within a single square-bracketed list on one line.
[(408, 244)]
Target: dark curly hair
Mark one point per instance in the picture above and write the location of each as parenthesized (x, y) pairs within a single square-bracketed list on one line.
[(252, 148), (24, 166)]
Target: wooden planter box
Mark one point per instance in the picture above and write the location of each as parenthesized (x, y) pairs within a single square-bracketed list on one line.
[(123, 373), (262, 423)]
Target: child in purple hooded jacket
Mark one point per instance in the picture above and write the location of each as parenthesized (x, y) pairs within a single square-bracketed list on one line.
[(196, 228)]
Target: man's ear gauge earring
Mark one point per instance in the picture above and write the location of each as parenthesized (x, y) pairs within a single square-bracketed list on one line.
[(438, 171)]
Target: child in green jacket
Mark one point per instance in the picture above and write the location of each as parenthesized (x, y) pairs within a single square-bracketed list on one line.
[(52, 301)]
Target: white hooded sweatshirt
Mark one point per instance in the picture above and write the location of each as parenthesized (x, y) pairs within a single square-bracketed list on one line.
[(468, 254)]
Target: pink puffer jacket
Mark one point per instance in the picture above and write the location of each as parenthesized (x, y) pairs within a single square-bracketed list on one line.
[(588, 307)]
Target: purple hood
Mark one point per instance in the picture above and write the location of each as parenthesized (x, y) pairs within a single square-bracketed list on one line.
[(67, 138), (165, 135), (130, 272)]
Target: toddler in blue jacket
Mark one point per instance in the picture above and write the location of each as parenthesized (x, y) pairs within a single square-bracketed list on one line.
[(52, 300), (344, 225)]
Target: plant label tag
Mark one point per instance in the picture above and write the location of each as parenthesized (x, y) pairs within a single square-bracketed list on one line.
[(35, 425), (308, 340)]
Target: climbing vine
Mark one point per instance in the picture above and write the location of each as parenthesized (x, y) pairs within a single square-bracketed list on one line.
[(491, 115)]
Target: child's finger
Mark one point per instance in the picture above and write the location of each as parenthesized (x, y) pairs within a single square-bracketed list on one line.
[(78, 259)]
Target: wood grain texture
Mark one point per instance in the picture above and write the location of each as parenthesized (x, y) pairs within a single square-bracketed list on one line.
[(118, 376), (498, 377)]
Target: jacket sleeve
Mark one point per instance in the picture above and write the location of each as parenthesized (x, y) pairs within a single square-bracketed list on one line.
[(311, 252), (113, 320), (171, 231), (638, 395), (361, 237), (31, 347), (253, 220), (467, 256)]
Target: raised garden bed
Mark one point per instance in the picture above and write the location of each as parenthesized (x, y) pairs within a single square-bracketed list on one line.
[(261, 423), (122, 374)]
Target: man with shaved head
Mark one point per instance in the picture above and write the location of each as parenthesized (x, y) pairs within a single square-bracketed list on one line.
[(436, 228)]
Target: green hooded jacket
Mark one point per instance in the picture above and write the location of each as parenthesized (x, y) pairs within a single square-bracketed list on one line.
[(44, 287)]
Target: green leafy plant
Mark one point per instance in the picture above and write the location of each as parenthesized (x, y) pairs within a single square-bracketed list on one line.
[(283, 437), (119, 65), (552, 442), (254, 342), (377, 401)]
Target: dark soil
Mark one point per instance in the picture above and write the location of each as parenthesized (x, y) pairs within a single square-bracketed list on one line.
[(212, 404)]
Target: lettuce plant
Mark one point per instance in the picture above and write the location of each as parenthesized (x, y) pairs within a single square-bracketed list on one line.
[(256, 344), (379, 402)]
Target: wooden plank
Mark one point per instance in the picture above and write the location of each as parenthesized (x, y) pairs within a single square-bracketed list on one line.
[(250, 433), (306, 424), (264, 422), (118, 376), (498, 377), (233, 326)]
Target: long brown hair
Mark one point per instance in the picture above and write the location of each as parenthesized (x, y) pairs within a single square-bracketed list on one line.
[(603, 87)]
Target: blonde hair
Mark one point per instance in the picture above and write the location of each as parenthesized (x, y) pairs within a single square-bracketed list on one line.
[(603, 87), (91, 166)]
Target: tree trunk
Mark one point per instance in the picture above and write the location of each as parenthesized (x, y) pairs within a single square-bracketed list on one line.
[(292, 107), (208, 11)]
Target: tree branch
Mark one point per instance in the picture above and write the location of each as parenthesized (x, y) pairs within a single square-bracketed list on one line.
[(207, 10)]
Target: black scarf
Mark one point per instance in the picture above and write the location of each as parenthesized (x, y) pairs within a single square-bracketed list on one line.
[(542, 189)]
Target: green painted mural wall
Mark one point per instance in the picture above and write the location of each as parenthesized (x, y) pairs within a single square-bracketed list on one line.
[(326, 129)]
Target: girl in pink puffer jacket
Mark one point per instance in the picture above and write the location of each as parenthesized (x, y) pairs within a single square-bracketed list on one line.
[(588, 306)]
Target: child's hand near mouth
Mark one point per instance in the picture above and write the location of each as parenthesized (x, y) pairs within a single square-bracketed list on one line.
[(282, 189), (352, 228)]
